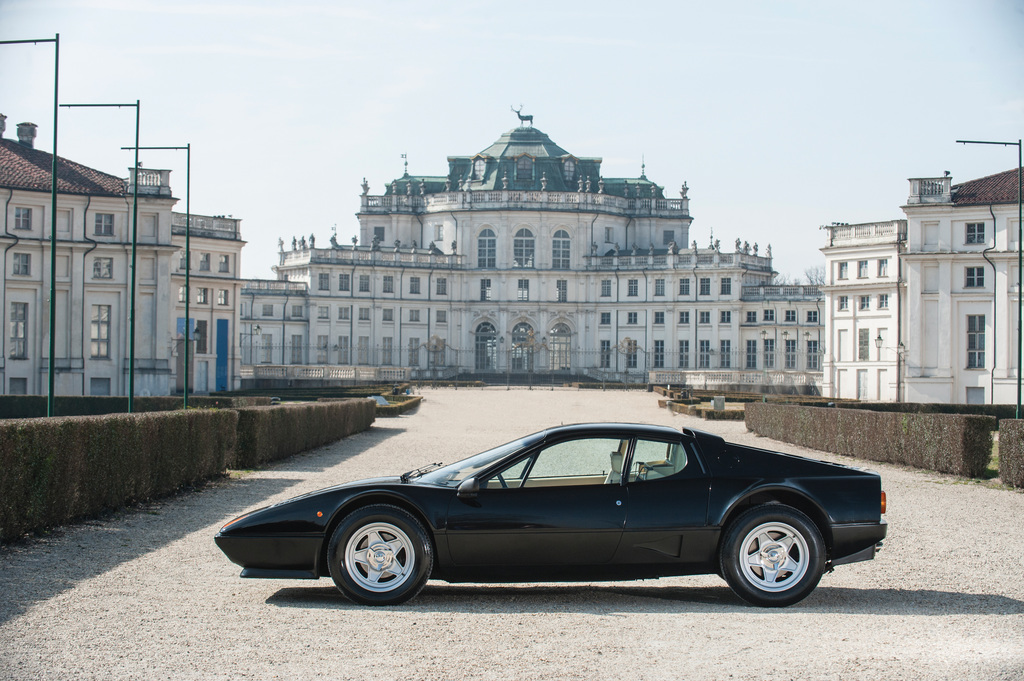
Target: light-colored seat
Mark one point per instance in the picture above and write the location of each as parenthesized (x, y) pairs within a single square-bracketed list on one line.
[(615, 475)]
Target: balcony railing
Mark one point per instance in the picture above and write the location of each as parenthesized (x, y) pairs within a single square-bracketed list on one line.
[(213, 227), (892, 231), (534, 200)]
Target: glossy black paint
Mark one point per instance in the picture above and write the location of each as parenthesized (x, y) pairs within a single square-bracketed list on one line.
[(637, 528)]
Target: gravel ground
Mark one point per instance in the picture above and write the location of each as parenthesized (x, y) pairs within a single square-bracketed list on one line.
[(145, 594)]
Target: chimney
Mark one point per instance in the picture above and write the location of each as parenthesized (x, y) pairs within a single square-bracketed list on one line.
[(3, 124), (27, 134)]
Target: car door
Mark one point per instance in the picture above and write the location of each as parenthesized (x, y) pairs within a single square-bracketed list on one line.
[(560, 504), (668, 492)]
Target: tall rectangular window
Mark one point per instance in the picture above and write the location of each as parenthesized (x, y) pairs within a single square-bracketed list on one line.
[(631, 318), (344, 312), (23, 264), (23, 218), (414, 352), (632, 287), (222, 297), (19, 331), (658, 360), (844, 269), (769, 353), (843, 303), (388, 285), (726, 286), (606, 354), (224, 264), (883, 301), (562, 290), (684, 287), (659, 287), (364, 283), (659, 319), (387, 350), (414, 285), (751, 354), (704, 317), (751, 317), (268, 309), (606, 319), (414, 315), (323, 281), (363, 350), (523, 290), (975, 341), (344, 282), (974, 233), (182, 294), (813, 359), (790, 353), (388, 314), (862, 269), (441, 317), (485, 289), (321, 349), (725, 317), (364, 314), (725, 354), (268, 348), (103, 224), (768, 316), (684, 354), (791, 316), (201, 335), (704, 355), (974, 277), (606, 288), (863, 345), (323, 312), (684, 316), (705, 286), (343, 350), (204, 262), (442, 286), (812, 316), (202, 296), (865, 303), (296, 348), (883, 267)]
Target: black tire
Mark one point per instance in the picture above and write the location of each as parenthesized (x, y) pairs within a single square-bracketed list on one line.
[(380, 555), (772, 555)]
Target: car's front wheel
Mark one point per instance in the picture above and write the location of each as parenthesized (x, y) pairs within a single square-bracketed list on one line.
[(772, 555), (380, 555)]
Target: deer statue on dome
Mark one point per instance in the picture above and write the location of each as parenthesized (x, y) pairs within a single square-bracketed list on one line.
[(522, 118)]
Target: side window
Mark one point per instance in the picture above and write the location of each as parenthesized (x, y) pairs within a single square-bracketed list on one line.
[(587, 461), (653, 460)]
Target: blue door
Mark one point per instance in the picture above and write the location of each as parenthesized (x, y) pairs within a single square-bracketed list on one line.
[(223, 336)]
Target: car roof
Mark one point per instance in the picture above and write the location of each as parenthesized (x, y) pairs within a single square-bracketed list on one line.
[(604, 427)]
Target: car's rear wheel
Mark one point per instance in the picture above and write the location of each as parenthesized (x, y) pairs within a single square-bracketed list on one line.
[(772, 555), (380, 555)]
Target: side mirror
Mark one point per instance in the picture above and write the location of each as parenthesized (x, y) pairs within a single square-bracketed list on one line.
[(468, 488)]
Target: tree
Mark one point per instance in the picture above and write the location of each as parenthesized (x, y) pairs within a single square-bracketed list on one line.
[(815, 275)]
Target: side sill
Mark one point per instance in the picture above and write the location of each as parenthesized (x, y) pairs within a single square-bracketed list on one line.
[(862, 555), (259, 573)]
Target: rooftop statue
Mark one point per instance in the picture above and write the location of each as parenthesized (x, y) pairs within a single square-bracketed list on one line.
[(522, 118)]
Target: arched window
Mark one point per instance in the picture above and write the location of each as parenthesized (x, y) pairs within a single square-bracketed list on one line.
[(523, 346), (486, 347), (560, 345), (569, 169), (479, 165), (524, 168), (522, 248), (486, 249), (560, 250)]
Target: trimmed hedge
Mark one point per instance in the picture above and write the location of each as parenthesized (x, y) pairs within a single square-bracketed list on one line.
[(272, 433), (57, 469), (948, 443), (34, 406), (1011, 452)]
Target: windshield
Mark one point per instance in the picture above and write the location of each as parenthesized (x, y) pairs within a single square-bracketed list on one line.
[(452, 474)]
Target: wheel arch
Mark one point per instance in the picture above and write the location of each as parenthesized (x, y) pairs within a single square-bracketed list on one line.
[(370, 499), (789, 497)]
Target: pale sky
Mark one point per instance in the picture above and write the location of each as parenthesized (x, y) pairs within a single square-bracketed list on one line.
[(780, 116)]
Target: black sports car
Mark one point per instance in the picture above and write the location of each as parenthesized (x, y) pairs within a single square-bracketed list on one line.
[(576, 503)]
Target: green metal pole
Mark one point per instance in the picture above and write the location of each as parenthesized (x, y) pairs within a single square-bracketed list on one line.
[(135, 235), (53, 235), (188, 261)]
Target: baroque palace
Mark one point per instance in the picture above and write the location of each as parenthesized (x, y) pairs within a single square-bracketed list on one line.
[(523, 262)]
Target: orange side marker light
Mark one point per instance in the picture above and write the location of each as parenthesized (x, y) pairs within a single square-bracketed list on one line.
[(320, 514), (883, 502)]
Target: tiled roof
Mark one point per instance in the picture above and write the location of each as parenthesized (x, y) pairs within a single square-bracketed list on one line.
[(998, 188), (23, 167)]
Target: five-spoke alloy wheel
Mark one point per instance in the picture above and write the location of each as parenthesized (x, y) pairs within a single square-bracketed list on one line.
[(772, 555), (380, 555)]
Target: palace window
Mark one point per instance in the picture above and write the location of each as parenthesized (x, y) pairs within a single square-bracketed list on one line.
[(791, 316), (631, 317), (684, 316), (632, 287), (974, 277), (684, 354), (751, 317), (486, 249), (562, 290), (364, 283), (684, 287), (523, 290), (103, 224), (974, 233), (99, 332), (768, 316), (606, 288), (862, 269), (659, 287), (606, 319), (522, 249), (389, 283), (22, 218), (485, 289), (442, 286), (102, 268), (344, 282), (751, 354), (524, 168), (975, 341), (569, 169), (323, 281), (414, 285), (22, 264), (479, 166), (704, 317), (812, 316), (19, 331), (725, 354), (705, 286), (659, 318), (560, 250), (726, 286)]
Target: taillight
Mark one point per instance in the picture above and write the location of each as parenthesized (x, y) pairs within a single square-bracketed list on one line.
[(240, 518), (883, 502)]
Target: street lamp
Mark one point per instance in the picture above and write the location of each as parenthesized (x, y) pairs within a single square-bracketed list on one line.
[(53, 215), (188, 249), (135, 240), (900, 351), (1020, 260)]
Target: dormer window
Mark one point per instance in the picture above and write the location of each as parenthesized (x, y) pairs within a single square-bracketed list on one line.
[(479, 166), (524, 168), (569, 169)]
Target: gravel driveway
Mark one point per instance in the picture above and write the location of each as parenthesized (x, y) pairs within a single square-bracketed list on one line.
[(146, 594)]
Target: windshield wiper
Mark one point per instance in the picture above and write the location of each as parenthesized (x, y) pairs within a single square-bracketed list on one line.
[(406, 477)]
